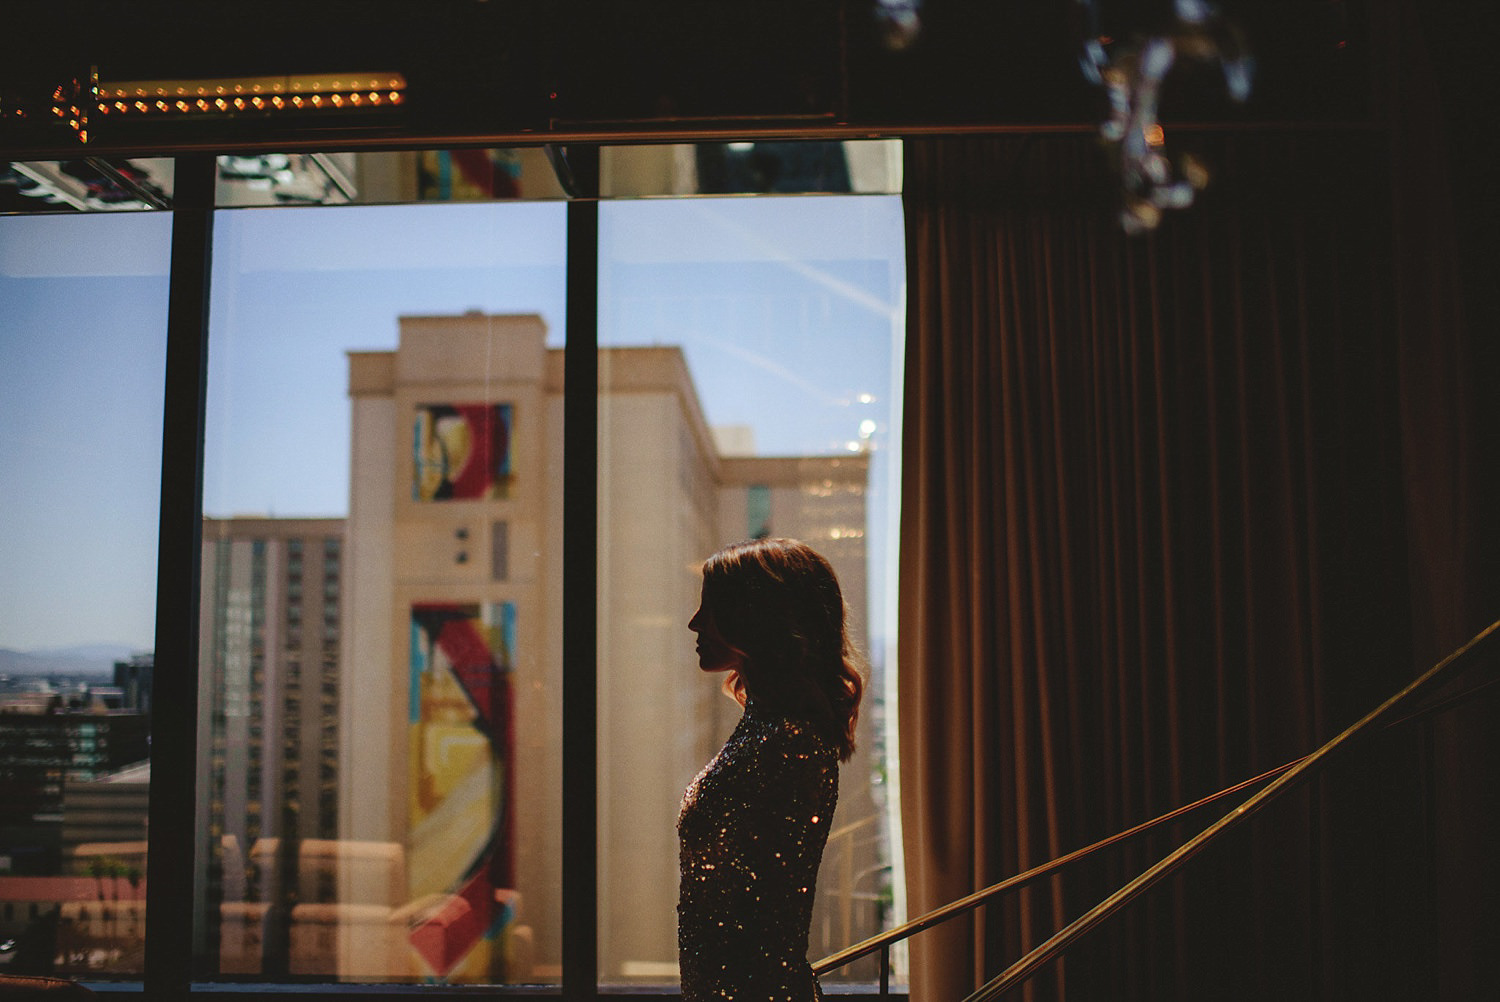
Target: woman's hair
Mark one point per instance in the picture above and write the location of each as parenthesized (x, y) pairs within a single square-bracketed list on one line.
[(777, 602)]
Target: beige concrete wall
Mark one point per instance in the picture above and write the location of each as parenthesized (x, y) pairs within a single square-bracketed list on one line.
[(371, 710)]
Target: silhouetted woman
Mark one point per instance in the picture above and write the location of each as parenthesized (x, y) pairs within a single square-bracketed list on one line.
[(754, 821)]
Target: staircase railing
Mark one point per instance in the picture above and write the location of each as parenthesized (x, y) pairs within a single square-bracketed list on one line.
[(1281, 779)]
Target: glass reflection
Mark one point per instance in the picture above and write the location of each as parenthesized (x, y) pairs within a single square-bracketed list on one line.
[(380, 774), (531, 173), (95, 184), (83, 304), (747, 389)]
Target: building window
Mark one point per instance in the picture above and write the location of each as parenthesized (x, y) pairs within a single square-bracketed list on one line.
[(500, 550)]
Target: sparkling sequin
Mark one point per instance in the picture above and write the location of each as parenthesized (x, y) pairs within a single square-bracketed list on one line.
[(752, 829)]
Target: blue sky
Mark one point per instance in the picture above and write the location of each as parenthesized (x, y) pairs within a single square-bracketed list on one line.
[(785, 308), (83, 302)]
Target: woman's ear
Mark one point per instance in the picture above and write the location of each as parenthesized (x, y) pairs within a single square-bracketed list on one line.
[(734, 686)]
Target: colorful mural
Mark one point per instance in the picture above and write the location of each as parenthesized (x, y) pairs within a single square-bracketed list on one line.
[(461, 451), (461, 792)]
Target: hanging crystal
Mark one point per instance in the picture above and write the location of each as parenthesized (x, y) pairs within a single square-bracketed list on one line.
[(1132, 74)]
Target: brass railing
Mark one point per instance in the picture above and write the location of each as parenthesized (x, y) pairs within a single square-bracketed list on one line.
[(1281, 778)]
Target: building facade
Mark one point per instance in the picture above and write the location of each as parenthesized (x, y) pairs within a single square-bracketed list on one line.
[(268, 719), (45, 755), (134, 678), (451, 731)]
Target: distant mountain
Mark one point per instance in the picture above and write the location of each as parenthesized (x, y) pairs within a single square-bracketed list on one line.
[(85, 659)]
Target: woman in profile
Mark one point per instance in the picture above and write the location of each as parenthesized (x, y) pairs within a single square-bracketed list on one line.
[(754, 821)]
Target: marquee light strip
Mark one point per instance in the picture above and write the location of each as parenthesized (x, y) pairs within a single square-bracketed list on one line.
[(308, 92)]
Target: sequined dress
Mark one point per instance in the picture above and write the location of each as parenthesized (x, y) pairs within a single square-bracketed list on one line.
[(751, 830)]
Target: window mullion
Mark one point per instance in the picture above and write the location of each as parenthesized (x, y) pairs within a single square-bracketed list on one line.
[(580, 589), (169, 912)]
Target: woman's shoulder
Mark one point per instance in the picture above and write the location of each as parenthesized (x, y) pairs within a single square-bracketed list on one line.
[(788, 735)]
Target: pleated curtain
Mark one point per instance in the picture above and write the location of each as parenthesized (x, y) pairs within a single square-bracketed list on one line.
[(1176, 510)]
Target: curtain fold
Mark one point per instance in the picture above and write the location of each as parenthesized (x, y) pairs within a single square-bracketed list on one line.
[(1155, 540)]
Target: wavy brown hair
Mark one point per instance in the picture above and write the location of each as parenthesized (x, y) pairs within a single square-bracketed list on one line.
[(778, 602)]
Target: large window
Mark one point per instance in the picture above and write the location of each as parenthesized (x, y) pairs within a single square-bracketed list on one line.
[(749, 355), (381, 731), (379, 739), (83, 302)]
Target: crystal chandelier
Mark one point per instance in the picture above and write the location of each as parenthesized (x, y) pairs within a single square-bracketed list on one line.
[(1132, 73)]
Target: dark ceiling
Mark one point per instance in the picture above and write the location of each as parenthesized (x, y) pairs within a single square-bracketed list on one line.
[(494, 71)]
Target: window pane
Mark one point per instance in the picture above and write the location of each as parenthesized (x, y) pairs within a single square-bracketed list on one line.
[(95, 184), (749, 386), (387, 178), (379, 788), (83, 306), (860, 166), (509, 173)]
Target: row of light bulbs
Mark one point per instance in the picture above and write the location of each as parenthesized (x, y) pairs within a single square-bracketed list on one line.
[(353, 99), (245, 94), (293, 85)]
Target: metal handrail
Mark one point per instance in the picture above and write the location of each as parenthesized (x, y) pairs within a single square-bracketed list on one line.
[(966, 904), (1027, 965), (1288, 772)]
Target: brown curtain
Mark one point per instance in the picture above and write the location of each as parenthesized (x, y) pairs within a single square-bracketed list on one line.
[(1159, 534)]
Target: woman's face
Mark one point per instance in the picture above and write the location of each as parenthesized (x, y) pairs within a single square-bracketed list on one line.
[(714, 652)]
